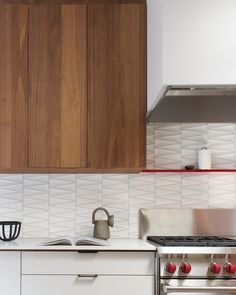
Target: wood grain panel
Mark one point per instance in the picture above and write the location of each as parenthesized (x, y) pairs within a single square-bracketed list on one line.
[(44, 95), (37, 2), (47, 2), (14, 2), (74, 86), (13, 85), (69, 170), (117, 85), (57, 86)]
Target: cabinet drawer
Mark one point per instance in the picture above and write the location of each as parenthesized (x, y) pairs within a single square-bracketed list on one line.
[(135, 263), (73, 285), (10, 273)]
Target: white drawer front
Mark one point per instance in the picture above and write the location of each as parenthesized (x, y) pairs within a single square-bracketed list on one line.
[(120, 263), (72, 285), (10, 273)]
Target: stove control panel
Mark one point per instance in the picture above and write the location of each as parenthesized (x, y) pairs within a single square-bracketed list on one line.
[(198, 265)]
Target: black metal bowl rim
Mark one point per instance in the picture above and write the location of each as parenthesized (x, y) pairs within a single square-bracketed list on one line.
[(10, 222)]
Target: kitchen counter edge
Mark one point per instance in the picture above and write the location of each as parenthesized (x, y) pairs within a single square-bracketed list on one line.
[(132, 245)]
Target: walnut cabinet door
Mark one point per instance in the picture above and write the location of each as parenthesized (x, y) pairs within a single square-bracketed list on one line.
[(117, 85), (58, 86), (13, 86)]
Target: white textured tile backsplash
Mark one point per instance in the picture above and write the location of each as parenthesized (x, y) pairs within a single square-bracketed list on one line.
[(35, 205), (167, 147), (58, 204)]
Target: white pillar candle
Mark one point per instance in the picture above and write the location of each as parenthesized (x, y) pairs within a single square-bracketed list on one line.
[(204, 158)]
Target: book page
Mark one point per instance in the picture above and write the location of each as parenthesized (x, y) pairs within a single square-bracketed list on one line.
[(59, 241), (87, 240)]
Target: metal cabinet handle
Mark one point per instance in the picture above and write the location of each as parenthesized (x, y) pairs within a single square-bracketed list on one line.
[(221, 289), (87, 251), (87, 276)]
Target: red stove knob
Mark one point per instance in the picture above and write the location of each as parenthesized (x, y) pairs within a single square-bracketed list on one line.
[(215, 267), (230, 268), (185, 267), (170, 267)]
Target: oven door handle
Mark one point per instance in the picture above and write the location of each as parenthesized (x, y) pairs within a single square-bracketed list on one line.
[(220, 289)]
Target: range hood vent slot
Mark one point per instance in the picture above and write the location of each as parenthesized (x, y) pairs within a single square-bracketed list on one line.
[(201, 91)]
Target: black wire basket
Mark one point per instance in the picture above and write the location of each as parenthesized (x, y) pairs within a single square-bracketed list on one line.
[(9, 230)]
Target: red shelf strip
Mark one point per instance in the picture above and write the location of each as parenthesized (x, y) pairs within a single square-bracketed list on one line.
[(188, 171)]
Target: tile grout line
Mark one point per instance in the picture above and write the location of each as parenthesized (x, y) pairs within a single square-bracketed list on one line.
[(208, 178), (23, 203), (76, 203), (128, 209), (49, 177), (181, 174), (234, 163)]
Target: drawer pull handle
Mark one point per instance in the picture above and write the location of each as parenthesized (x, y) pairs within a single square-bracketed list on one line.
[(166, 289), (88, 276), (88, 251)]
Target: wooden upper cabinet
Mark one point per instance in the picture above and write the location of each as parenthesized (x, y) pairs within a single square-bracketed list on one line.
[(72, 85), (57, 86), (13, 85), (117, 86)]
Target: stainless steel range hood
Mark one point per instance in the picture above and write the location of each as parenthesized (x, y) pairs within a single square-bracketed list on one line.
[(215, 104)]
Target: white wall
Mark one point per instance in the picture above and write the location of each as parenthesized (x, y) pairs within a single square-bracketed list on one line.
[(155, 50), (199, 42), (190, 42)]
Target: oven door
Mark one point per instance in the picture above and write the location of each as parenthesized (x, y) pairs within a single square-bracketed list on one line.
[(201, 286)]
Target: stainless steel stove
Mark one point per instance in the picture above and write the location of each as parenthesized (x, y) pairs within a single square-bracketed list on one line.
[(196, 249)]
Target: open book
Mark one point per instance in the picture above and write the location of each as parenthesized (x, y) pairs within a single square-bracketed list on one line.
[(69, 241)]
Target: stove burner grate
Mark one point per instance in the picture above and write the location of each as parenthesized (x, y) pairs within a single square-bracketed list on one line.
[(201, 241)]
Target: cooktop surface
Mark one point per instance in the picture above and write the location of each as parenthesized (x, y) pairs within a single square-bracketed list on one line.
[(201, 241)]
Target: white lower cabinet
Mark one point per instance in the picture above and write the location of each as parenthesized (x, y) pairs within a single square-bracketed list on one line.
[(102, 263), (10, 273), (74, 285), (73, 273)]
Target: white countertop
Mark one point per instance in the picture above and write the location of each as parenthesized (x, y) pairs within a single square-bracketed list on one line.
[(115, 245)]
